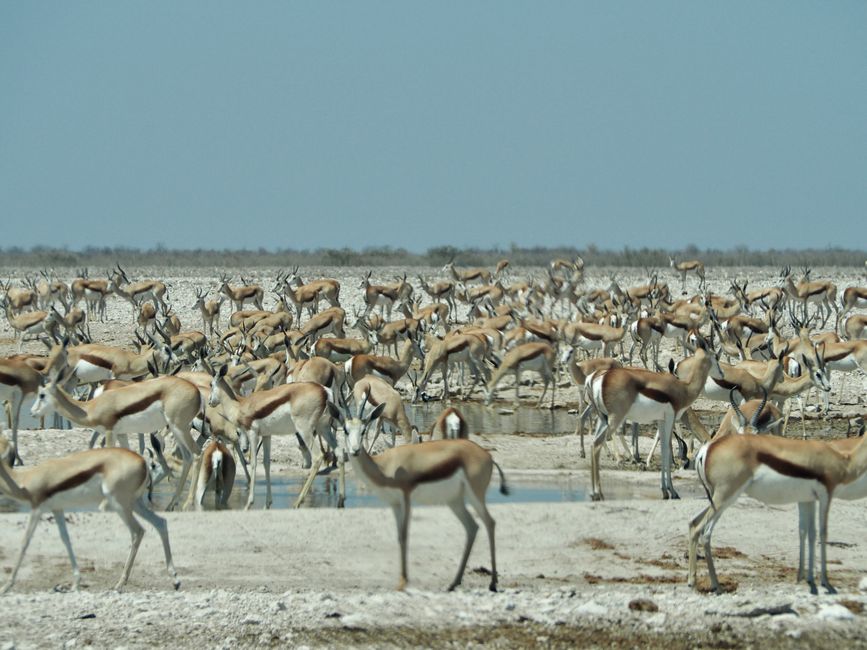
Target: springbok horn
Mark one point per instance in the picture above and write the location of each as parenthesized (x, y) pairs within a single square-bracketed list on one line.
[(741, 417), (754, 423)]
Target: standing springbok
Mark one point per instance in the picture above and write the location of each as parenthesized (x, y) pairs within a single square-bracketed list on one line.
[(822, 293), (469, 348), (438, 472), (687, 266), (110, 478), (378, 295), (283, 410), (449, 425), (467, 275), (776, 471), (210, 311), (853, 298), (243, 294), (218, 469), (323, 289), (642, 396), (538, 357), (18, 381)]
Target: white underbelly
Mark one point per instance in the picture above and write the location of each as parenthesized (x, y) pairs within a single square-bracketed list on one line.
[(770, 486), (714, 391), (88, 493), (440, 492), (9, 393), (147, 421), (90, 373), (673, 332), (646, 411), (277, 423), (847, 364), (589, 344), (432, 493)]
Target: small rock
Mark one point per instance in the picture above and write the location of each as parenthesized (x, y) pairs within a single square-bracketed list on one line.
[(592, 608), (643, 605), (862, 586), (86, 616), (9, 645), (835, 612), (251, 620)]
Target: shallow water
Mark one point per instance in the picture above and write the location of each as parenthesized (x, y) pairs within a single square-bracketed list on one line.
[(498, 418), (523, 489)]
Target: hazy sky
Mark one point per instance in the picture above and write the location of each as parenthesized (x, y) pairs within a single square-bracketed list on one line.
[(308, 124)]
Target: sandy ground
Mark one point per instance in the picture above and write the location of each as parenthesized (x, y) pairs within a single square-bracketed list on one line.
[(608, 574)]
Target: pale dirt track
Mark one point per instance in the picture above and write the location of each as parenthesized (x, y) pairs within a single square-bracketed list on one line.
[(323, 577)]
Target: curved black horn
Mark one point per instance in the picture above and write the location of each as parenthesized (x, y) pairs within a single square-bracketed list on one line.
[(741, 417), (754, 423)]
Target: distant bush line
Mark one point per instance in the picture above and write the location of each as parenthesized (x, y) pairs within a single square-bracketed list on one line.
[(437, 256)]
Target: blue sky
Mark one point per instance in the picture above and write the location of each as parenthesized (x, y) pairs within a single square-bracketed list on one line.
[(309, 124)]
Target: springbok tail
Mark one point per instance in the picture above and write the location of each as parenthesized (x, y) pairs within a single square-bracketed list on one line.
[(504, 488)]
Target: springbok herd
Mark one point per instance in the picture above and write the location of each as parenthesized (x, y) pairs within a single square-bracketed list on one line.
[(203, 401)]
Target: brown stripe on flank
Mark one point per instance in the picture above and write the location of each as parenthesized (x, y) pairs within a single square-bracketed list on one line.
[(535, 354), (269, 407), (722, 383), (460, 347), (837, 356), (96, 361), (656, 395), (789, 468), (439, 472), (73, 481), (137, 407), (9, 380)]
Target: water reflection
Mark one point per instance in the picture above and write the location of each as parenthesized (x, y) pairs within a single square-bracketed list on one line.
[(497, 418), (524, 489)]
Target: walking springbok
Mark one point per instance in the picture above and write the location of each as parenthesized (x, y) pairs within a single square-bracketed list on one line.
[(142, 407), (449, 472), (116, 479)]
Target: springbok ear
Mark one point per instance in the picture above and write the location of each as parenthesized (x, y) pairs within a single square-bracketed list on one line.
[(376, 412), (223, 370), (671, 366), (334, 412)]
